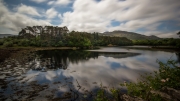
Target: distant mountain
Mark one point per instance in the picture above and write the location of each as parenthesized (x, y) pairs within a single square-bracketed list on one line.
[(130, 35), (5, 35)]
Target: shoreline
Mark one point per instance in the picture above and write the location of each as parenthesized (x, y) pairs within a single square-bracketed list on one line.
[(155, 48), (7, 52)]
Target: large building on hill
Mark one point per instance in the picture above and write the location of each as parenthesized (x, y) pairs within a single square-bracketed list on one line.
[(44, 31)]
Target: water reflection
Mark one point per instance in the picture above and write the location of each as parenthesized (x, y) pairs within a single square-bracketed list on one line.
[(109, 67), (51, 73), (178, 57), (60, 59)]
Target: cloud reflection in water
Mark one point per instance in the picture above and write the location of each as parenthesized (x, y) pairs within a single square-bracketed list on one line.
[(110, 69)]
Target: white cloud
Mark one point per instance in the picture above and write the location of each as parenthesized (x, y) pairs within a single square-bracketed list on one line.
[(24, 9), (163, 34), (14, 21), (59, 2), (60, 16), (51, 13), (62, 2), (18, 21), (90, 15), (39, 1), (4, 30), (3, 9), (51, 2)]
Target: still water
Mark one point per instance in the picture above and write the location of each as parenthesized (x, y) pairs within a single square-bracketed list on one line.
[(60, 71)]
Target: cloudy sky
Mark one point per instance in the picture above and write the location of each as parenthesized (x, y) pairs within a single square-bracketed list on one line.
[(148, 17)]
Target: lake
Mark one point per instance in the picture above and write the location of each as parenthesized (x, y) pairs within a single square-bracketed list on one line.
[(51, 73)]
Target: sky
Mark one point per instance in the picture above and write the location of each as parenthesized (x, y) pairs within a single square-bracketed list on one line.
[(147, 17)]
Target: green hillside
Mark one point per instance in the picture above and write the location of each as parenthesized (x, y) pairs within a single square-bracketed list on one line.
[(130, 35)]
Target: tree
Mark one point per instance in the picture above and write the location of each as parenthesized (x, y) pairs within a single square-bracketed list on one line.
[(178, 33)]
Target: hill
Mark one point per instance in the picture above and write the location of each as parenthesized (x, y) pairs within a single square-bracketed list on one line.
[(5, 35), (130, 35)]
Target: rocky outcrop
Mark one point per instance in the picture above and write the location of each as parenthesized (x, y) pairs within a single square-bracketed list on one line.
[(126, 97), (168, 94)]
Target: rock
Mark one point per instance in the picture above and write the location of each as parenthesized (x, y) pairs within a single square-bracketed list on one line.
[(2, 76), (175, 94), (19, 66), (15, 98), (168, 94), (162, 94), (24, 98), (126, 97), (26, 66), (94, 82), (8, 99), (8, 66)]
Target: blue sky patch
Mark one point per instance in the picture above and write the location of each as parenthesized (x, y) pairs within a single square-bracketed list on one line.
[(115, 23)]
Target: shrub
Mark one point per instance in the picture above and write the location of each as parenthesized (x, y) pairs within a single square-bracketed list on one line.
[(8, 44), (24, 42), (1, 41), (60, 44)]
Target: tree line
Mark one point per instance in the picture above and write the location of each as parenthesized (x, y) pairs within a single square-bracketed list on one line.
[(49, 38), (71, 39), (159, 42)]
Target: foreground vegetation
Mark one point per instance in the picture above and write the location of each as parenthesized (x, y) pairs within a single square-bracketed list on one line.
[(148, 85)]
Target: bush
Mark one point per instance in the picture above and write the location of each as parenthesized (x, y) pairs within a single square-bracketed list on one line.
[(60, 44), (24, 42), (8, 44), (43, 43), (1, 41)]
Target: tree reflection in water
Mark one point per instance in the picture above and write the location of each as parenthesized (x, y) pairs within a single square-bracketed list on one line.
[(178, 57), (59, 59)]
